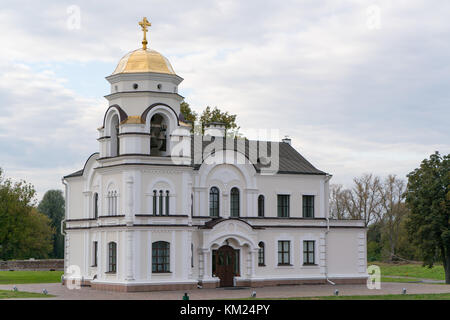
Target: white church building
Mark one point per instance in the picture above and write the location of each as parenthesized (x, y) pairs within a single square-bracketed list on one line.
[(161, 208)]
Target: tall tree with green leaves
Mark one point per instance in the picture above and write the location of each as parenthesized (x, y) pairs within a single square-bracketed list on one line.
[(53, 206), (210, 115), (216, 115), (189, 114), (428, 197), (24, 232)]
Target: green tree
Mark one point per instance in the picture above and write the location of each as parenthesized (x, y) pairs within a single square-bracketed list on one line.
[(216, 115), (189, 114), (53, 206), (24, 233), (428, 197), (210, 115)]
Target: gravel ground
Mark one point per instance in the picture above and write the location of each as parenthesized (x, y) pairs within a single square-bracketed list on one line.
[(87, 293)]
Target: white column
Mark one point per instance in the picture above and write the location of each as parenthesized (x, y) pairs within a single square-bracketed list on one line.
[(129, 200), (129, 255), (87, 203), (249, 262), (201, 264), (254, 258)]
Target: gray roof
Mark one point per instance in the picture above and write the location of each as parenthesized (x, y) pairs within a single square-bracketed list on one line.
[(290, 161), (75, 174)]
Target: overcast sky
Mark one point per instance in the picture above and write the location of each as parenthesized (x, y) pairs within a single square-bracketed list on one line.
[(359, 86)]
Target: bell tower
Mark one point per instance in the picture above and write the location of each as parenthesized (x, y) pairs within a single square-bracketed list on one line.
[(143, 118)]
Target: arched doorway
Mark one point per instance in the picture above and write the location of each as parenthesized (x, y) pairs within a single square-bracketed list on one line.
[(224, 265)]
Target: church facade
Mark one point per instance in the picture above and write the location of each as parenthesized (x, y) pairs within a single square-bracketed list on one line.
[(161, 208)]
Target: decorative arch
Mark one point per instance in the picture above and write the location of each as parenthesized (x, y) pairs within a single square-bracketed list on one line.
[(149, 109), (235, 229), (245, 168), (160, 121), (116, 109)]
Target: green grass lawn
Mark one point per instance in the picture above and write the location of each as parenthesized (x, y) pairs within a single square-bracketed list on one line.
[(415, 271), (9, 294), (21, 277), (402, 280)]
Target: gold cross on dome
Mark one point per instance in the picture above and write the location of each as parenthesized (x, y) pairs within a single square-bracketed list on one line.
[(144, 24)]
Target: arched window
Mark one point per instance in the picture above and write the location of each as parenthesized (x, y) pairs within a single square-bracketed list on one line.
[(112, 203), (115, 145), (214, 202), (160, 257), (160, 202), (261, 254), (112, 257), (167, 202), (158, 135), (95, 205), (261, 206), (155, 198), (234, 202)]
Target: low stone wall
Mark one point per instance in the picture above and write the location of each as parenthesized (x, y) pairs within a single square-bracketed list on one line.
[(32, 265)]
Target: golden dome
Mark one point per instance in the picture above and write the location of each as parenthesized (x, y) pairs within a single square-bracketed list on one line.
[(144, 60)]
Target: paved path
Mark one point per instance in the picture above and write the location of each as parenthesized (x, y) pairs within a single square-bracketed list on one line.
[(87, 293)]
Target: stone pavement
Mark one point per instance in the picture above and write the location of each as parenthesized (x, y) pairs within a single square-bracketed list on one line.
[(86, 293)]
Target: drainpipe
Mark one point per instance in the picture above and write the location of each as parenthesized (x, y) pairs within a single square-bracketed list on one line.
[(327, 178), (62, 226)]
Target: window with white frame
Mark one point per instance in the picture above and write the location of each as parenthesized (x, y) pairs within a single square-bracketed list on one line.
[(234, 202), (284, 252), (309, 252), (214, 202), (261, 254)]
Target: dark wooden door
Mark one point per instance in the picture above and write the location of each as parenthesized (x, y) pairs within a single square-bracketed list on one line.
[(225, 260)]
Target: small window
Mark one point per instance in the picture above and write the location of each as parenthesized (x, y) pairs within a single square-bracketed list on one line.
[(94, 253), (261, 254), (155, 199), (261, 206), (234, 202), (283, 205), (284, 254), (214, 202), (160, 202), (95, 205), (308, 252), (112, 257), (192, 255), (308, 206), (167, 202), (160, 257)]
